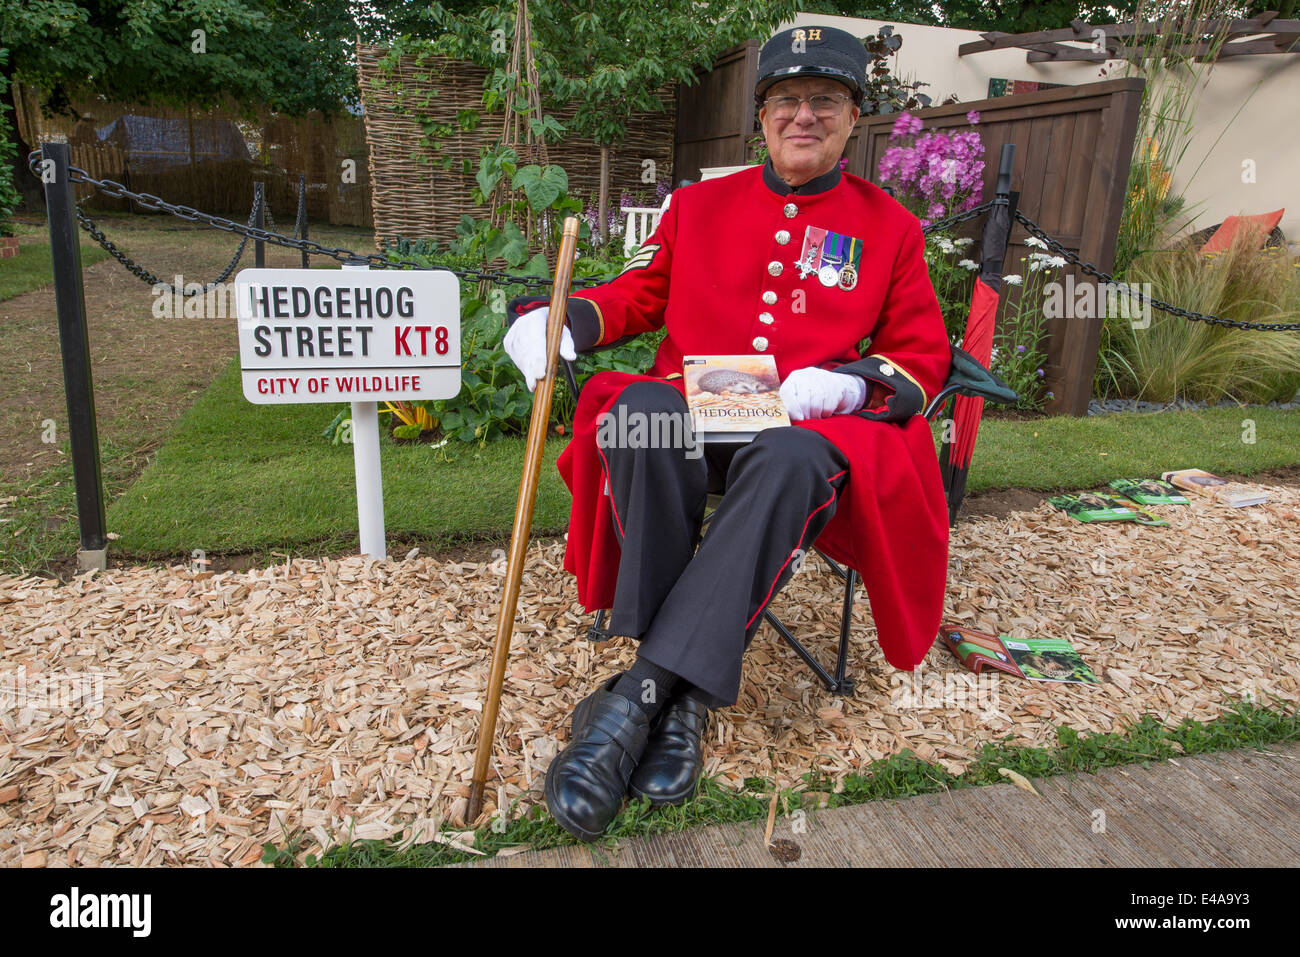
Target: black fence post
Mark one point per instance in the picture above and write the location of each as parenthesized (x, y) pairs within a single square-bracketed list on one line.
[(74, 343), (259, 220), (302, 212)]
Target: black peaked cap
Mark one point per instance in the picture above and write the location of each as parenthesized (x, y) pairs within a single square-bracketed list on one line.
[(813, 51)]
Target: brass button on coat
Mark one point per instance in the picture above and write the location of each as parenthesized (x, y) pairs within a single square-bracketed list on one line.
[(774, 268), (791, 210), (760, 343), (769, 297), (765, 318), (783, 236)]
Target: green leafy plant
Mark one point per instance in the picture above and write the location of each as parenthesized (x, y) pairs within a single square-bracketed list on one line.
[(493, 401), (1018, 356), (885, 93), (8, 190), (952, 273)]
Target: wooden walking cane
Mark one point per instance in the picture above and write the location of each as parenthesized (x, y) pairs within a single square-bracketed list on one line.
[(523, 514)]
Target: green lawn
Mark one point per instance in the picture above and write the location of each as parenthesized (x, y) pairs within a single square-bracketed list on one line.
[(239, 478), (1074, 453), (33, 267)]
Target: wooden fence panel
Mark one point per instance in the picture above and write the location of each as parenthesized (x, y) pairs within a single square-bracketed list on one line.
[(1073, 147), (716, 116)]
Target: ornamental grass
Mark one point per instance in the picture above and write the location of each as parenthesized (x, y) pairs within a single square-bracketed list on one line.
[(1176, 358)]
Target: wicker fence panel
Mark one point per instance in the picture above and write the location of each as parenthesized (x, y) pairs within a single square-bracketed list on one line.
[(414, 198)]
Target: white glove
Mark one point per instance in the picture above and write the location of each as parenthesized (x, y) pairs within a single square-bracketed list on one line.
[(814, 393), (525, 344)]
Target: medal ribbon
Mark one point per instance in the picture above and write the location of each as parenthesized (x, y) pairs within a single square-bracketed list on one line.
[(834, 245), (853, 252)]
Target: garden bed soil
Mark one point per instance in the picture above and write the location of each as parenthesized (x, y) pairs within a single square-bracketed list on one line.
[(341, 699)]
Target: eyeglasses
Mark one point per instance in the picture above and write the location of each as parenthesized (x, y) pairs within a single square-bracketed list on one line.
[(823, 105)]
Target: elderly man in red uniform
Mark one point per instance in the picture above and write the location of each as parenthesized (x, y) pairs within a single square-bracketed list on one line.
[(801, 262)]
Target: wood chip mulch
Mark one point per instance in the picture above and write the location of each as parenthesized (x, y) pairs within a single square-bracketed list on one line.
[(342, 697)]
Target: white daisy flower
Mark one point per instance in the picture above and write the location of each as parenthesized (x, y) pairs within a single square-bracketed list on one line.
[(1013, 279), (964, 241), (945, 246), (1036, 265), (1035, 241), (1057, 261), (968, 264)]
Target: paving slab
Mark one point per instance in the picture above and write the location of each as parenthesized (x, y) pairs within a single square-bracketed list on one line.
[(1228, 809)]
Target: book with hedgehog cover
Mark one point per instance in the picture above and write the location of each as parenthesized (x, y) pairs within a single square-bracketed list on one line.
[(733, 398), (1049, 659), (1218, 489)]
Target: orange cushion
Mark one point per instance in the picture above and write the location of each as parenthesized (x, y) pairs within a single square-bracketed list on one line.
[(1264, 223)]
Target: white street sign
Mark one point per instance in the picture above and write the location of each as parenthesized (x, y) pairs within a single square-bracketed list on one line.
[(348, 335)]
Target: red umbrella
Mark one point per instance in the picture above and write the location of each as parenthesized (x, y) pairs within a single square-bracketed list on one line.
[(978, 338)]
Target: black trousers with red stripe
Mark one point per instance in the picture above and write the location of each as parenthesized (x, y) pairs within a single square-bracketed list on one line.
[(695, 610)]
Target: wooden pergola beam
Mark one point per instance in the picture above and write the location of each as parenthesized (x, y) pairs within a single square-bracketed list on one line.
[(1200, 52), (1053, 41)]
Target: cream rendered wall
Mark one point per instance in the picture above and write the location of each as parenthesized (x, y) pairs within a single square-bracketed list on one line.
[(1248, 108)]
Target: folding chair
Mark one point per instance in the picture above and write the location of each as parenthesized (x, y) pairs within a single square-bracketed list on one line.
[(967, 377)]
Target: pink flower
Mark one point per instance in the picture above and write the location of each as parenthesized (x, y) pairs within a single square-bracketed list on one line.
[(973, 117), (905, 125)]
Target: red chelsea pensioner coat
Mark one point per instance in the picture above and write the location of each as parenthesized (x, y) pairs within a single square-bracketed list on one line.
[(720, 271)]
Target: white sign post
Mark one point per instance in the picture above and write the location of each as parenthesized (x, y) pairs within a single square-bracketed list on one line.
[(351, 335)]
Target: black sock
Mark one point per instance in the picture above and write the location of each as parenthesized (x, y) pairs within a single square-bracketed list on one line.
[(695, 694), (647, 686)]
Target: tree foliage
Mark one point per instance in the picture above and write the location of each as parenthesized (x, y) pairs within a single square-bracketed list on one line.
[(612, 58), (289, 55)]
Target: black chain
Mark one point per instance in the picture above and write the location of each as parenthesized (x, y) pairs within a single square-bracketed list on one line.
[(136, 269), (1035, 230), (148, 201), (957, 218), (301, 218)]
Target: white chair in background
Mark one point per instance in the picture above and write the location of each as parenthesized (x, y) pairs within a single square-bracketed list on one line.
[(639, 225)]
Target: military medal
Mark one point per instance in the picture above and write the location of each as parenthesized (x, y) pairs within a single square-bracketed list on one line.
[(810, 256), (841, 256)]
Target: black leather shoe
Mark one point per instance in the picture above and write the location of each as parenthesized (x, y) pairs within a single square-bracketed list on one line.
[(669, 771), (587, 781)]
